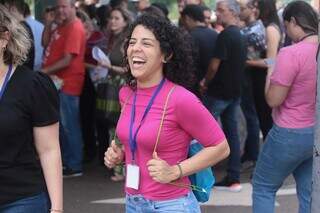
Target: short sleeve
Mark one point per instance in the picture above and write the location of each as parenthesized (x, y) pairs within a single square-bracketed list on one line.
[(74, 39), (196, 120), (125, 94), (286, 68), (221, 49), (44, 101)]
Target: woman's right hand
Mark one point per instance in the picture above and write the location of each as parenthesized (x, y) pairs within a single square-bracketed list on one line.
[(113, 156)]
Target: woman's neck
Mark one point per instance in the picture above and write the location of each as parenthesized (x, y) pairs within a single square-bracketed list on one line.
[(308, 37), (3, 68), (147, 83)]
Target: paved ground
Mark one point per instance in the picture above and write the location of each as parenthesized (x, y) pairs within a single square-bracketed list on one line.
[(95, 193)]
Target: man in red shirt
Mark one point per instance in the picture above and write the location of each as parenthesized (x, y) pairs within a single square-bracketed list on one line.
[(64, 59)]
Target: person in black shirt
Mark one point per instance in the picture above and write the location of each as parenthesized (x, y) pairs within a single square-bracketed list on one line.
[(204, 38), (223, 85), (30, 160)]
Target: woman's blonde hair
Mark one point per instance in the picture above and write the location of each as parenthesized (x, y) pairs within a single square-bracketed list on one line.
[(19, 42)]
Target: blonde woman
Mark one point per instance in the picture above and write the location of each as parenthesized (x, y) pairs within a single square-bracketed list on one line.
[(30, 161)]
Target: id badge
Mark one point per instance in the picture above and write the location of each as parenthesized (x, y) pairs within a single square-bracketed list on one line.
[(133, 176)]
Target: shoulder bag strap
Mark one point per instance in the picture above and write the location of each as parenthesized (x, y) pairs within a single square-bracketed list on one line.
[(175, 183), (162, 118)]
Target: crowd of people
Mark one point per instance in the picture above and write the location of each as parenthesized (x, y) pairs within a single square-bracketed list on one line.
[(164, 85)]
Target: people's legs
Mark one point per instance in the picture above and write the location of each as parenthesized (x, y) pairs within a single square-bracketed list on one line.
[(251, 147), (87, 115), (282, 153), (102, 137), (303, 177), (38, 203), (229, 120), (215, 106), (303, 173), (63, 141), (70, 120), (263, 109)]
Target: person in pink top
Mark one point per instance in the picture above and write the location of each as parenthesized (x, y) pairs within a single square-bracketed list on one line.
[(291, 92), (159, 58)]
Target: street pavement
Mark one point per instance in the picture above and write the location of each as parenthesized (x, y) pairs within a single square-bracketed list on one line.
[(94, 192)]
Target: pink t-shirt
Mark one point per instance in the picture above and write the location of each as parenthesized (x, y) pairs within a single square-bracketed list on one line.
[(186, 118), (296, 67)]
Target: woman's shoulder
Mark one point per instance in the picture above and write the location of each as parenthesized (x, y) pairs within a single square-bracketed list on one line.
[(34, 79), (181, 95), (299, 49), (273, 28), (125, 91)]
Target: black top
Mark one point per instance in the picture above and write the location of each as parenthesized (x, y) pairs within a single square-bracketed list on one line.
[(205, 41), (30, 100), (231, 50)]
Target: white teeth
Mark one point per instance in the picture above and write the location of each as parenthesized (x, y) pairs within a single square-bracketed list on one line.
[(137, 60)]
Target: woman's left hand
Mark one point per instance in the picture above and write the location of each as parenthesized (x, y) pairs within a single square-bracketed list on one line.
[(161, 171)]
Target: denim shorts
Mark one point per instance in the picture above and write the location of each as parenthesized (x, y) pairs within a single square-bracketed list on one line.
[(184, 204), (34, 204)]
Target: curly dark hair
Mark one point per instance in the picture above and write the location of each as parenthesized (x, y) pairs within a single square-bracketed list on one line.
[(175, 44)]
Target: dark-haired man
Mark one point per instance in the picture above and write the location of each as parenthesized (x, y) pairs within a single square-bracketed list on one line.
[(204, 38), (223, 82)]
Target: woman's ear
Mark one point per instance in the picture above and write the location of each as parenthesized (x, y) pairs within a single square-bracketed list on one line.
[(168, 58), (4, 39), (293, 20)]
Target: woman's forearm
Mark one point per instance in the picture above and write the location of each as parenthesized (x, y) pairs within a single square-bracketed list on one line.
[(52, 170), (257, 63), (117, 69)]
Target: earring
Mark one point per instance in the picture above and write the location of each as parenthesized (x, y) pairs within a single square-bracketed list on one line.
[(164, 61)]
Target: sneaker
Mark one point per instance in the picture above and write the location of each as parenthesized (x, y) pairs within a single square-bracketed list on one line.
[(228, 184), (67, 172)]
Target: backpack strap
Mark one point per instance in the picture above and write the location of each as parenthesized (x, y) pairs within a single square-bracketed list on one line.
[(162, 118)]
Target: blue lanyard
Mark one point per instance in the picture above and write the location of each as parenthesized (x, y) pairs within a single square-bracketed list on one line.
[(133, 138), (6, 80)]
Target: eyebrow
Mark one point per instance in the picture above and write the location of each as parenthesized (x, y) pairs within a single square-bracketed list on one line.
[(144, 39)]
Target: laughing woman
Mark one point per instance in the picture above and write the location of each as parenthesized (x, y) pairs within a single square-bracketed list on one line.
[(30, 161), (158, 59)]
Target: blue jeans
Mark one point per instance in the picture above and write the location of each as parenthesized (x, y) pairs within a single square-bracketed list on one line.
[(71, 137), (185, 204), (286, 151), (35, 204), (251, 148), (228, 111)]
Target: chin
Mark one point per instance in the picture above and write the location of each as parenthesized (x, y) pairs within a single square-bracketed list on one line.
[(135, 74)]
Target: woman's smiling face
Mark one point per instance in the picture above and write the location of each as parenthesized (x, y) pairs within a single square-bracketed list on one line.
[(145, 57)]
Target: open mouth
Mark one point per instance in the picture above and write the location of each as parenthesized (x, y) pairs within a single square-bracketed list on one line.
[(138, 62)]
